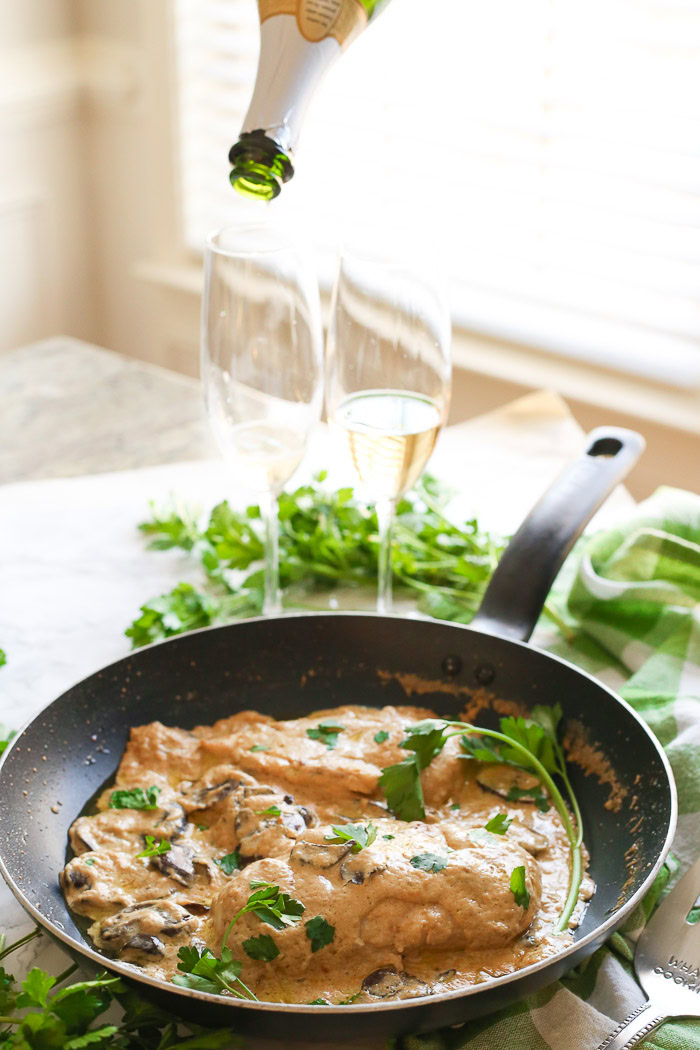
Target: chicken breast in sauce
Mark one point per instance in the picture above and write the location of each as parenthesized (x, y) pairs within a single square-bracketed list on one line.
[(227, 810)]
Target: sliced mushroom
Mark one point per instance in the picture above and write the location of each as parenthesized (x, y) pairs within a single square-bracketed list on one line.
[(178, 864), (293, 820), (359, 867), (79, 879), (139, 922), (145, 944), (530, 840), (502, 779), (319, 854), (205, 798), (389, 983)]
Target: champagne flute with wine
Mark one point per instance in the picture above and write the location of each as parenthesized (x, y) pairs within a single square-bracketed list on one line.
[(388, 378), (261, 365)]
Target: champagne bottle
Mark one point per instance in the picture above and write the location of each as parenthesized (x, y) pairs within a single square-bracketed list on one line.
[(299, 41)]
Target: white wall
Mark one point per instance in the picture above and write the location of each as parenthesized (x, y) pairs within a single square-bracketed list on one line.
[(46, 285)]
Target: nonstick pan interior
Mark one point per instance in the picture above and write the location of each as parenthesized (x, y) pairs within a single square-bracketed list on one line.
[(287, 668)]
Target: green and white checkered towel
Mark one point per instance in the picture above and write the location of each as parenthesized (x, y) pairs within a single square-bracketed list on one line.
[(630, 599)]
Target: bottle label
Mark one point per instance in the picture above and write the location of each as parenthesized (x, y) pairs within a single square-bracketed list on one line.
[(319, 19)]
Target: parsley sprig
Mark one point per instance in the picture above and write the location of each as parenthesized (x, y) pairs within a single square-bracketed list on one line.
[(531, 744), (327, 539), (360, 836), (36, 1012)]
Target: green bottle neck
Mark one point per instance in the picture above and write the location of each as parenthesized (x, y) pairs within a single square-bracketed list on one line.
[(258, 166)]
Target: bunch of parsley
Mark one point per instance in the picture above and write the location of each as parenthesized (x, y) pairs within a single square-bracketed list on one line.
[(37, 1014), (327, 539)]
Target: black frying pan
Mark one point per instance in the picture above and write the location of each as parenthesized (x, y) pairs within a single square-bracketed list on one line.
[(72, 748)]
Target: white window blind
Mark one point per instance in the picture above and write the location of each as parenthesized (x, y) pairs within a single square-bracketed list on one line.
[(548, 149)]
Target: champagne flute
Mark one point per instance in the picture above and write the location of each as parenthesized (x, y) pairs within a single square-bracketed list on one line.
[(387, 380), (261, 365)]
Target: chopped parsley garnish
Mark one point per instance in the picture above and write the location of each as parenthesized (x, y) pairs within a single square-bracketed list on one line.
[(350, 999), (135, 798), (202, 827), (357, 834), (205, 972), (388, 836), (271, 811), (270, 905), (319, 932), (381, 736), (327, 732), (152, 850), (262, 948), (90, 861), (499, 824), (455, 807), (260, 747), (519, 888), (429, 862), (319, 1002), (229, 863), (402, 789)]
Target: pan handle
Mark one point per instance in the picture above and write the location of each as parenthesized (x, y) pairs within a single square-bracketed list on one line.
[(520, 584)]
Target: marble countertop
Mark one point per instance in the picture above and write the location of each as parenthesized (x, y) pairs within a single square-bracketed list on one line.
[(89, 437), (70, 408)]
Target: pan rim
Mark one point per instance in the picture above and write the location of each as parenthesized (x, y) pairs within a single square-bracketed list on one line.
[(600, 932)]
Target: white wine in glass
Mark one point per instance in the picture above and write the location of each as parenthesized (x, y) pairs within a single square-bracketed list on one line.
[(387, 381), (261, 365)]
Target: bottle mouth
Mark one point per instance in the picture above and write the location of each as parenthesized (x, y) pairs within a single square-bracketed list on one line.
[(259, 167)]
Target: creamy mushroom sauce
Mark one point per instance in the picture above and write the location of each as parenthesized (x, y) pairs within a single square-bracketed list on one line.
[(399, 931)]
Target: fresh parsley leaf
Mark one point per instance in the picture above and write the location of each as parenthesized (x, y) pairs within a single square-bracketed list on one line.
[(229, 863), (202, 827), (3, 658), (271, 811), (319, 932), (357, 834), (455, 807), (381, 736), (35, 988), (8, 994), (429, 862), (531, 736), (90, 861), (152, 850), (134, 798), (480, 748), (272, 906), (262, 948), (92, 1038), (388, 836), (402, 789), (260, 747), (533, 794), (499, 824), (427, 739), (318, 1002), (204, 972), (327, 732), (350, 999), (519, 888)]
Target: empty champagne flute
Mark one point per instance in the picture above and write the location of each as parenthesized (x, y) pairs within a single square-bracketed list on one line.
[(261, 365), (388, 378)]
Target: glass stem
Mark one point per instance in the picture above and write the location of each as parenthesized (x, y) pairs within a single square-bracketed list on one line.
[(272, 603), (385, 517)]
